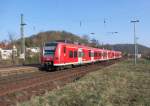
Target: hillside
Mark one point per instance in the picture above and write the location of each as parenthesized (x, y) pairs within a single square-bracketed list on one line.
[(129, 48), (40, 38)]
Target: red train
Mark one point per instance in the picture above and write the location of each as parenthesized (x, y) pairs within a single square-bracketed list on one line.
[(57, 54)]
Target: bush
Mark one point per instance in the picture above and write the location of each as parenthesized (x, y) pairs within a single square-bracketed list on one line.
[(34, 59)]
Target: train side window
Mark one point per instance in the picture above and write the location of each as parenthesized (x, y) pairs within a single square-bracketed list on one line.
[(64, 49), (100, 54), (94, 54), (105, 54), (71, 54), (89, 53), (75, 54)]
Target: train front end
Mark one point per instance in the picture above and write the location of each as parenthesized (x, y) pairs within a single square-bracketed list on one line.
[(48, 55)]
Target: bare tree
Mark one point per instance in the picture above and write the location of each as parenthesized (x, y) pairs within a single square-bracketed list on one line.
[(12, 40)]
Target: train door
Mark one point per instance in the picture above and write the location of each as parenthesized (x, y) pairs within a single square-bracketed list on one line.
[(63, 54), (92, 55), (80, 55)]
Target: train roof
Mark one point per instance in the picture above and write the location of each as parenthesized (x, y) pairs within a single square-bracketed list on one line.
[(60, 42)]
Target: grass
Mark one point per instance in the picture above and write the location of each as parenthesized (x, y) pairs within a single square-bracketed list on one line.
[(122, 84)]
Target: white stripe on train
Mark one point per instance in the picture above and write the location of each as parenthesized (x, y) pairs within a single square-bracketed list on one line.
[(83, 62)]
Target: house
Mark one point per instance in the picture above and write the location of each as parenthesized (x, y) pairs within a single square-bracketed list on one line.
[(6, 54)]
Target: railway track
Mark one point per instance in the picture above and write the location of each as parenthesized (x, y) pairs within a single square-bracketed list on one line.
[(19, 65), (12, 70), (24, 86)]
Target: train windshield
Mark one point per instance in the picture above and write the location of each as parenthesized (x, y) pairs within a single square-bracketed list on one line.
[(49, 52), (50, 49)]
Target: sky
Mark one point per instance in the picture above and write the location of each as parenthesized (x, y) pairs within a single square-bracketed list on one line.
[(44, 15)]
